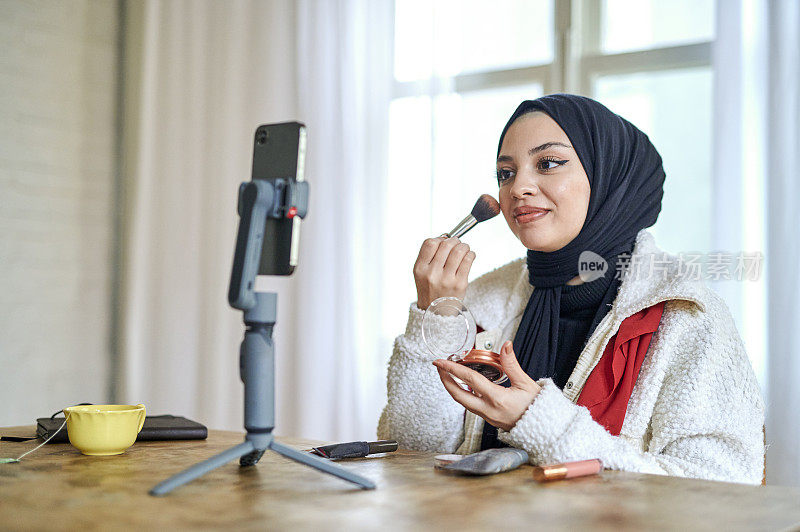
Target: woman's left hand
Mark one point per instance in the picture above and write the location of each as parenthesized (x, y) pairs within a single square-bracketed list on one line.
[(500, 406)]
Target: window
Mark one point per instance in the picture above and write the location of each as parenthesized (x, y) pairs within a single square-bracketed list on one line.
[(629, 25), (462, 67), (680, 127)]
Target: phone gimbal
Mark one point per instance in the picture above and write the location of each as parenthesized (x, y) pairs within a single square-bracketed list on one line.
[(258, 200)]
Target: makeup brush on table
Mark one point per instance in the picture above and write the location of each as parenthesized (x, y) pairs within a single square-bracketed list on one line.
[(486, 207)]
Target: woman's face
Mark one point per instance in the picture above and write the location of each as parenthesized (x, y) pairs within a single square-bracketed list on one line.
[(544, 190)]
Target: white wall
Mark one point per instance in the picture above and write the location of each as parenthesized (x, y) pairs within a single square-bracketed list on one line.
[(58, 73)]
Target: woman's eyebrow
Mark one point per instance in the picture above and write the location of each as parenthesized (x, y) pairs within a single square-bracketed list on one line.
[(546, 145), (534, 151)]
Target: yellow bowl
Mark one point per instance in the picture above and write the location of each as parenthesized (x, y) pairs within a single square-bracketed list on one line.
[(102, 430)]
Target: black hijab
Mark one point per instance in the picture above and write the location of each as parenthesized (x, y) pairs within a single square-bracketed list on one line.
[(626, 179)]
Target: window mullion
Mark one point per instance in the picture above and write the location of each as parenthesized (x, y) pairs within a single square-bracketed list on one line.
[(670, 58), (585, 40), (590, 12), (562, 43), (500, 78)]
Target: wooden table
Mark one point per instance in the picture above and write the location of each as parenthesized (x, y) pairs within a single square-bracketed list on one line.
[(57, 488)]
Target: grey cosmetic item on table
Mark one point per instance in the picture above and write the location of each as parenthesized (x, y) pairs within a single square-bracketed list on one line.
[(489, 462)]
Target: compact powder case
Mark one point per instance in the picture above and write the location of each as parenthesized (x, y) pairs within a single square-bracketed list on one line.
[(449, 331), (487, 363)]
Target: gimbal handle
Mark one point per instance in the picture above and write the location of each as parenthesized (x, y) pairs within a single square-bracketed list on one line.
[(258, 200), (255, 202)]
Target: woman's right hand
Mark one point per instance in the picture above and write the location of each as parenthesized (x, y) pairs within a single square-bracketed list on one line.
[(442, 269)]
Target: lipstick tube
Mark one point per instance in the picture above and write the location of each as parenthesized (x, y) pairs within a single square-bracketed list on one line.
[(581, 468)]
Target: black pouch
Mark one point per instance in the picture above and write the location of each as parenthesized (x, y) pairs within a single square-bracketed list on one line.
[(163, 427)]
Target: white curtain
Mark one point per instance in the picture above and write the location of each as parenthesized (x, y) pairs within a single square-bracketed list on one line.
[(783, 261), (199, 77), (757, 164), (344, 60)]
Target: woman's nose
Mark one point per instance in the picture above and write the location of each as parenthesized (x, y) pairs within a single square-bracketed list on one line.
[(524, 185)]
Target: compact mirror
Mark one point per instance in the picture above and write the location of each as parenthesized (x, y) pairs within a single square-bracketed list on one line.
[(449, 330)]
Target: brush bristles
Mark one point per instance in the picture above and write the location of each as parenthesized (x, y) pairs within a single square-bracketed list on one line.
[(486, 207)]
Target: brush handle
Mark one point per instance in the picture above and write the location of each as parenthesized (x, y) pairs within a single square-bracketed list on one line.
[(463, 226)]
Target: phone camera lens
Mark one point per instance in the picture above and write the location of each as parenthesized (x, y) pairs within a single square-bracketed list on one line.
[(261, 138)]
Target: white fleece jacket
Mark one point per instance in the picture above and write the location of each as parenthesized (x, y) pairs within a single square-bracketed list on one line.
[(696, 409)]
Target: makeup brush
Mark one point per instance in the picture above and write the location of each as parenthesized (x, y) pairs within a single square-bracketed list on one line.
[(486, 207)]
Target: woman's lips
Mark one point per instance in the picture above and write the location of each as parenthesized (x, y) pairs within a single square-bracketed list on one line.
[(523, 215)]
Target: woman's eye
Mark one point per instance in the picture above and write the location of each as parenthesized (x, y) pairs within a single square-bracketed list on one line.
[(549, 164), (504, 174)]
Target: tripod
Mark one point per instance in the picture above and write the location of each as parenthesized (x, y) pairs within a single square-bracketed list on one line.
[(257, 352)]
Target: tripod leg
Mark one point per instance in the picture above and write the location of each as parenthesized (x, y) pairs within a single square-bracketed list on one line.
[(322, 464), (187, 475)]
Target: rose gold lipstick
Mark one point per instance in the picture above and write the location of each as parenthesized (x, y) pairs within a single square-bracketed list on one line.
[(581, 468), (526, 214)]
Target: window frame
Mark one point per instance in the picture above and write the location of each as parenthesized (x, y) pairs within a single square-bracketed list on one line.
[(577, 60)]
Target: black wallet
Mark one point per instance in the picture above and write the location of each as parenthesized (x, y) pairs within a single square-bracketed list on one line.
[(164, 427)]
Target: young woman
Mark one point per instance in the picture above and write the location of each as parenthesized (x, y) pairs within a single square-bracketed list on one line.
[(642, 367)]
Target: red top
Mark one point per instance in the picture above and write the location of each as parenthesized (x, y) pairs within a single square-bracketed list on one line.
[(609, 386)]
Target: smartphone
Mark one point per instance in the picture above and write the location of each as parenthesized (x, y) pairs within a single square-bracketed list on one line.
[(279, 152)]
